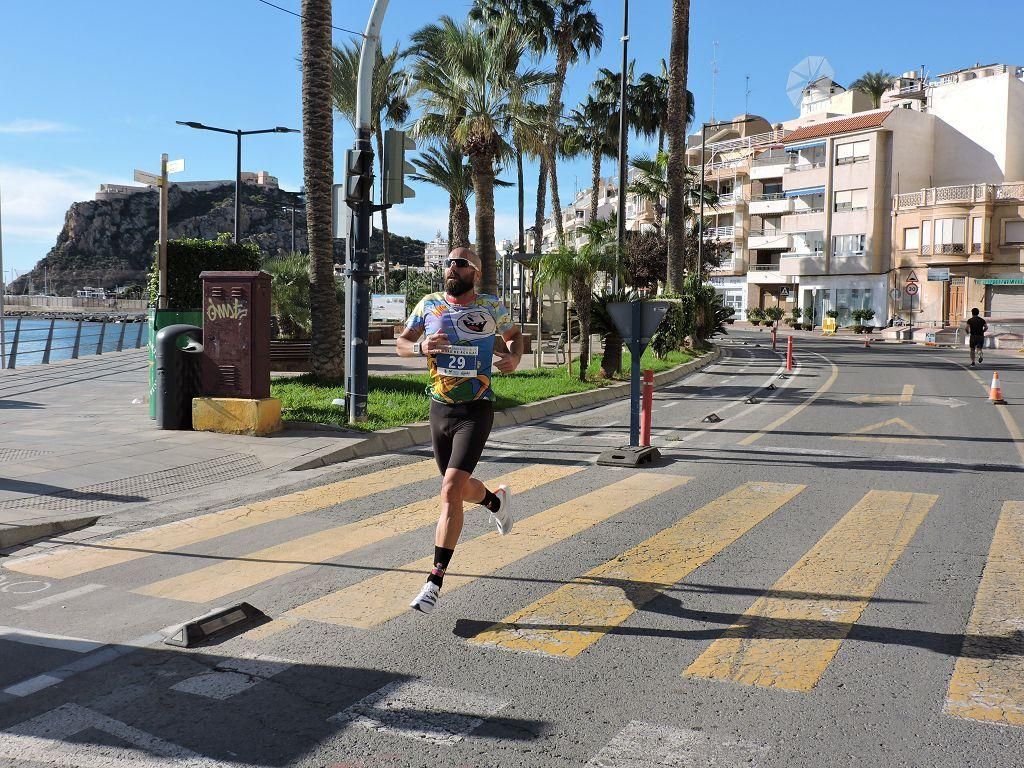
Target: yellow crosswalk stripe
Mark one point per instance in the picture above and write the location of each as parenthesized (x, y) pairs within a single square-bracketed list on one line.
[(788, 637), (988, 681), (379, 599), (165, 538), (572, 618), (254, 568)]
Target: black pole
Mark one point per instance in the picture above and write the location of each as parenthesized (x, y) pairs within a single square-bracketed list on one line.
[(522, 294), (700, 191), (238, 181), (620, 229), (358, 305), (293, 229)]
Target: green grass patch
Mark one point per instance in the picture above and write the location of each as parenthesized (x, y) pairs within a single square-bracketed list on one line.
[(401, 399)]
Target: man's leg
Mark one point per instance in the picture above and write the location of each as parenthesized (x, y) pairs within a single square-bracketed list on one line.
[(971, 345)]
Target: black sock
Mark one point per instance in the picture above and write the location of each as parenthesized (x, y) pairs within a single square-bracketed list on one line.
[(491, 501), (442, 557)]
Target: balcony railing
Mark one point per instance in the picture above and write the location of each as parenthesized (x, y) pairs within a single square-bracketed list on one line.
[(803, 211), (762, 267), (783, 158), (938, 249), (798, 167), (720, 233), (768, 198), (747, 142), (730, 198), (962, 193), (798, 254), (768, 233)]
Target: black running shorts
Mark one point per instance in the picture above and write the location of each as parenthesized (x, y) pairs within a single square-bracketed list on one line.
[(459, 433), (977, 342)]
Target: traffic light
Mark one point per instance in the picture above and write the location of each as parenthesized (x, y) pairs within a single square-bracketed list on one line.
[(396, 143), (358, 175)]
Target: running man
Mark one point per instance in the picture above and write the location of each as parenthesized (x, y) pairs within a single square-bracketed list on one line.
[(460, 327), (976, 327)]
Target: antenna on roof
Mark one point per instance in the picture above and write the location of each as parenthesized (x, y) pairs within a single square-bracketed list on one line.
[(746, 98)]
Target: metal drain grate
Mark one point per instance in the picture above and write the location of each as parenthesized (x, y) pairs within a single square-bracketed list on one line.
[(17, 454), (143, 488)]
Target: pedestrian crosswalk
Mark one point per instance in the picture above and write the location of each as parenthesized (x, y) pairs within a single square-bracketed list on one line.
[(786, 639)]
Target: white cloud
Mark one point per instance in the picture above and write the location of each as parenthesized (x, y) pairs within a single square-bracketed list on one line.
[(33, 126), (34, 203)]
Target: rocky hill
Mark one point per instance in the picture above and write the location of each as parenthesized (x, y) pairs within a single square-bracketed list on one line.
[(110, 243)]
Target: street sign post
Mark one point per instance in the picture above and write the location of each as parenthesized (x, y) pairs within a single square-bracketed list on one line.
[(160, 182), (910, 288), (144, 177), (636, 322)]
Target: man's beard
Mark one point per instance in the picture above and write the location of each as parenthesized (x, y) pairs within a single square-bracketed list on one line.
[(456, 286)]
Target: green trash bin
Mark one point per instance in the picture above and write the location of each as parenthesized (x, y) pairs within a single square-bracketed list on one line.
[(159, 319)]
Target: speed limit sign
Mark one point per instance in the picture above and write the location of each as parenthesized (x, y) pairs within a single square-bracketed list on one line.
[(910, 289)]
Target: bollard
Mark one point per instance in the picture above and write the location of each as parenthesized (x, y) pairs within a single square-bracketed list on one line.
[(647, 402), (775, 332), (789, 353)]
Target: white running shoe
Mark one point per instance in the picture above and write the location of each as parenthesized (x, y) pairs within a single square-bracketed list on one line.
[(503, 520), (427, 598)]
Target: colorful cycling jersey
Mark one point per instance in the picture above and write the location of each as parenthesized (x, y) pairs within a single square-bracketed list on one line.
[(462, 372)]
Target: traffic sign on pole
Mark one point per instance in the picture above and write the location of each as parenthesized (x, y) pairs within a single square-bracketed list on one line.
[(911, 289), (176, 166), (912, 278)]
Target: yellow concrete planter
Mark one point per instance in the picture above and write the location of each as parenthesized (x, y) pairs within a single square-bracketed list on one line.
[(236, 416)]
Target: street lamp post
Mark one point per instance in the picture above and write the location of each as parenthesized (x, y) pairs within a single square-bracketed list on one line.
[(238, 134), (620, 228), (298, 200), (700, 222)]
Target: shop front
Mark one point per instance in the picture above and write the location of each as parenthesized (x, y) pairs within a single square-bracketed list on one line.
[(733, 291), (844, 295)]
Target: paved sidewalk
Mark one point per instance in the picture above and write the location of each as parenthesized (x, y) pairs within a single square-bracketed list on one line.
[(77, 443)]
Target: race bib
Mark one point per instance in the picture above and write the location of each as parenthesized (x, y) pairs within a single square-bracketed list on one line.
[(457, 361)]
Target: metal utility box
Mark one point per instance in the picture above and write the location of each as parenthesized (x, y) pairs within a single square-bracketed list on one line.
[(236, 334)]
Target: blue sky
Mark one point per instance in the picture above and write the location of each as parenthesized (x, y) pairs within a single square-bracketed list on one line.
[(90, 90)]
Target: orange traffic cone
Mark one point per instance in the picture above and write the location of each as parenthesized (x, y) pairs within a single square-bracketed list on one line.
[(995, 393)]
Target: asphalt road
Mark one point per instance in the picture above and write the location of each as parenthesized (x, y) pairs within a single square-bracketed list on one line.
[(830, 575)]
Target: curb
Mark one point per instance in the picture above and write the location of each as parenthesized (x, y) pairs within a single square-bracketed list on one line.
[(396, 438), (12, 535)]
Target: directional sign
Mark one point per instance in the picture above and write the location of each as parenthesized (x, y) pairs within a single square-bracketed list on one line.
[(938, 274), (895, 293), (147, 178), (912, 278), (911, 289), (175, 166), (651, 315)]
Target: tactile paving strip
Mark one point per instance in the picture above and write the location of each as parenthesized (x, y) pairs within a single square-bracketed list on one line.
[(142, 488), (17, 454)]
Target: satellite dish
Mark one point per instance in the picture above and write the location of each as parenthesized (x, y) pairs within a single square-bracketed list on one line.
[(810, 70)]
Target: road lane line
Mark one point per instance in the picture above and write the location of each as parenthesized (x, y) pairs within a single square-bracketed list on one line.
[(988, 680), (42, 602), (786, 417), (44, 640), (575, 616), (650, 744), (788, 642), (384, 597), (254, 568), (165, 538)]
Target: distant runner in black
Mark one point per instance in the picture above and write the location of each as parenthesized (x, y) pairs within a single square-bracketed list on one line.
[(976, 327)]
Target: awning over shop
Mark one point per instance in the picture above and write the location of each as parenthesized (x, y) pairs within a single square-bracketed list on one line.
[(1001, 281), (805, 191), (805, 145)]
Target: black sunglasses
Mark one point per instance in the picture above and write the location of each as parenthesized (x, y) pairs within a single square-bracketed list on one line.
[(456, 262)]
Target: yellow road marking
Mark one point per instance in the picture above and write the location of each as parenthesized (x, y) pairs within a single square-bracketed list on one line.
[(903, 398), (988, 681), (248, 570), (164, 538), (379, 599), (603, 598), (864, 433), (783, 419), (788, 642)]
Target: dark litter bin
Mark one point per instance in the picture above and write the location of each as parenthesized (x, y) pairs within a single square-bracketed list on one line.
[(177, 374)]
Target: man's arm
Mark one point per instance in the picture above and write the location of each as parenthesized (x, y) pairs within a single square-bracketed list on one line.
[(514, 341), (403, 344)]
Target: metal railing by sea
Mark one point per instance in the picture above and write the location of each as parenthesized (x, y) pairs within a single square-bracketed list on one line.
[(30, 341)]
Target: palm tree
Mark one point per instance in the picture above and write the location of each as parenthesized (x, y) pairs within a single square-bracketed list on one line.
[(652, 184), (678, 102), (389, 104), (606, 90), (467, 79), (874, 84), (447, 169), (652, 104), (328, 359), (590, 129), (576, 269)]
